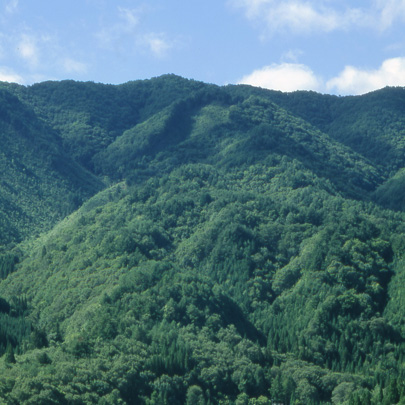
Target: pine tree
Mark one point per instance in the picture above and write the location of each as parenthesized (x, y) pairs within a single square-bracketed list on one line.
[(9, 354)]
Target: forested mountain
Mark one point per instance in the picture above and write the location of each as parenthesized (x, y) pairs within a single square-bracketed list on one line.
[(168, 241), (39, 184)]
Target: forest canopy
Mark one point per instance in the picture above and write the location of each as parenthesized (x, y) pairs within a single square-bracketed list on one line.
[(168, 241)]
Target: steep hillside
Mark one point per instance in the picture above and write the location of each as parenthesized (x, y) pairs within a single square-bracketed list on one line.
[(222, 283), (243, 252), (39, 183)]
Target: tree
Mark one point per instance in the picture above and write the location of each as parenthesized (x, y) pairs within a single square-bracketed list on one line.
[(195, 396), (9, 354)]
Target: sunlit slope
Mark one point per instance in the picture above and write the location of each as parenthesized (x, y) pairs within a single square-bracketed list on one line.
[(202, 270)]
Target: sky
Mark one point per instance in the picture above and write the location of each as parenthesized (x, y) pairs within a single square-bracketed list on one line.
[(330, 46)]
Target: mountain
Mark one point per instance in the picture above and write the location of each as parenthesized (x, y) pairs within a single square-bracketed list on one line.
[(371, 125), (89, 116), (39, 183), (222, 245)]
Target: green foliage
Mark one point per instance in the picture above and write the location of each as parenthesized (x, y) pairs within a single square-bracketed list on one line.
[(242, 255), (9, 354), (39, 183), (7, 265)]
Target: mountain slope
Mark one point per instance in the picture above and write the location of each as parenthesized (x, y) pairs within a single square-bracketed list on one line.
[(372, 124), (236, 257), (211, 128), (39, 183), (89, 116), (215, 279)]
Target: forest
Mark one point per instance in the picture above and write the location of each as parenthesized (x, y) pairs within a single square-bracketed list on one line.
[(168, 241)]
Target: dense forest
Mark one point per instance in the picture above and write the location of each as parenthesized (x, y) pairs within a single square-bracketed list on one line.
[(168, 241)]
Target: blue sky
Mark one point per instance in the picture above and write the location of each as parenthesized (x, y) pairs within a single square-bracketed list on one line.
[(339, 47)]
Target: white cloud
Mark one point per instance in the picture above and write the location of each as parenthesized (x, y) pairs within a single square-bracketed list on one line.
[(252, 7), (284, 77), (7, 75), (353, 80), (305, 16), (301, 16), (28, 50), (292, 55), (130, 16), (158, 44), (74, 66), (389, 11), (111, 36)]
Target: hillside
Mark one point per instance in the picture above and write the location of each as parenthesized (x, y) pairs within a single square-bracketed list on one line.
[(89, 116), (371, 125), (39, 183), (244, 248)]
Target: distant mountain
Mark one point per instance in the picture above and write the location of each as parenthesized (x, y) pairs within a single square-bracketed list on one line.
[(372, 124), (200, 245)]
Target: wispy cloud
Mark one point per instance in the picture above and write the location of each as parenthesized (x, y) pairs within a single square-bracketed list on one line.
[(73, 66), (300, 16), (7, 75), (128, 34), (307, 16), (291, 55), (354, 80), (11, 6), (130, 17), (110, 36), (28, 49), (157, 44), (389, 11), (284, 77), (40, 53)]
